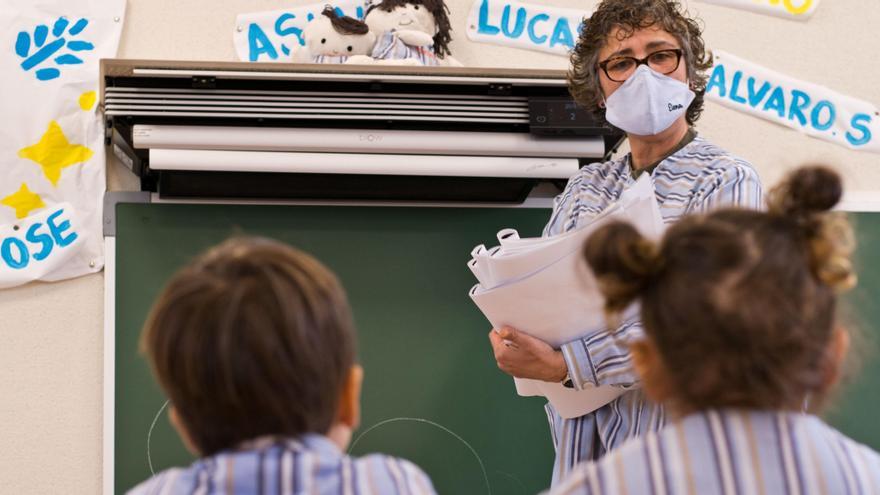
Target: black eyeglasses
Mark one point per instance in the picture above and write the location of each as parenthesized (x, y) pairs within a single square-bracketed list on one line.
[(618, 69)]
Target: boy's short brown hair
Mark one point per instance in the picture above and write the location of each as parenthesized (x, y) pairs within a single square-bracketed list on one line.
[(252, 338)]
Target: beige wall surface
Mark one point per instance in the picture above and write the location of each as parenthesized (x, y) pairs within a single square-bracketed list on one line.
[(51, 350)]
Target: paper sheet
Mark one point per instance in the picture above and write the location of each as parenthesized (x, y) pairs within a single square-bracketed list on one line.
[(542, 286)]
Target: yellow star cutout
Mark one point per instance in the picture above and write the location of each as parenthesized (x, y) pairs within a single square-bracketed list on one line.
[(54, 152), (24, 201), (87, 99)]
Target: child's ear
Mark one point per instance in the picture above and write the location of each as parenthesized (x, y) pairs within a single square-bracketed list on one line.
[(836, 354), (350, 398), (182, 431)]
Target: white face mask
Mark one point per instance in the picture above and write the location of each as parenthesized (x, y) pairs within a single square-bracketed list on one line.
[(647, 103)]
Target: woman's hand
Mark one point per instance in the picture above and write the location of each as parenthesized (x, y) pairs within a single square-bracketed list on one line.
[(523, 356)]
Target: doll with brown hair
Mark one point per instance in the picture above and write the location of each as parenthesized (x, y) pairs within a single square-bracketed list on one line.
[(415, 32), (741, 343)]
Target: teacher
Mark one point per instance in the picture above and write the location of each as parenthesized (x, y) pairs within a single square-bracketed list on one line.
[(639, 65)]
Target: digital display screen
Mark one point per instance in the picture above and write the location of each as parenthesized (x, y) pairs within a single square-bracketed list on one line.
[(564, 112), (561, 116)]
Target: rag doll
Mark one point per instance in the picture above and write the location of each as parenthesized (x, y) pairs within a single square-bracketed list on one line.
[(331, 38), (414, 32)]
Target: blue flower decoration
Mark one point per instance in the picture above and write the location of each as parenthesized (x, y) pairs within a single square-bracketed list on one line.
[(38, 51)]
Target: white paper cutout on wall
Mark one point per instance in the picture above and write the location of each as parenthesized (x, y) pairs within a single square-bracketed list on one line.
[(809, 108), (790, 9), (271, 36), (52, 167), (522, 25)]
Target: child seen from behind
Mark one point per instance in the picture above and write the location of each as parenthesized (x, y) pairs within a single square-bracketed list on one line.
[(254, 344), (741, 341)]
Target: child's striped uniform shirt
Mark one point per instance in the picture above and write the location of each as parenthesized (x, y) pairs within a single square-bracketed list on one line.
[(309, 465), (733, 452)]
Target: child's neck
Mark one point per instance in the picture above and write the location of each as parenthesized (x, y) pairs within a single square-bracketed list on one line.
[(340, 435)]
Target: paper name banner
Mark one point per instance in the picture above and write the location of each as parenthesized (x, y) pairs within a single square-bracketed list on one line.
[(810, 108), (522, 25), (271, 36), (38, 245), (791, 9), (52, 158)]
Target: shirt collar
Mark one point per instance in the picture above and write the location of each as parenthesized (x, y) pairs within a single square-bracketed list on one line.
[(698, 419), (688, 137), (309, 441)]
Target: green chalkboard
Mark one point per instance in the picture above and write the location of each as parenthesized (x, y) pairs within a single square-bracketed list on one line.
[(422, 342), (854, 408)]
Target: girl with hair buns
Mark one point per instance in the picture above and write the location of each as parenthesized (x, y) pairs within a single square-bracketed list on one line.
[(738, 309)]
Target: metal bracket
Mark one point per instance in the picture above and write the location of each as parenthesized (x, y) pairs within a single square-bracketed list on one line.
[(113, 198)]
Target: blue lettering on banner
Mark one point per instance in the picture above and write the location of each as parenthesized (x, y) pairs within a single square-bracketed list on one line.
[(263, 38), (775, 102), (734, 87), (544, 29), (796, 106), (520, 22), (58, 230), (258, 44), (857, 123), (9, 257), (799, 101), (717, 82), (483, 26), (45, 240), (756, 96), (562, 34), (40, 240), (293, 30), (538, 40), (816, 114)]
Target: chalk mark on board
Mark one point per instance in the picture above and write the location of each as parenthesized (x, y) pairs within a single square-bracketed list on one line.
[(423, 420), (150, 435), (514, 478)]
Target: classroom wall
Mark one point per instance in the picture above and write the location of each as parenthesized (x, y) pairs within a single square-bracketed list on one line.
[(51, 342)]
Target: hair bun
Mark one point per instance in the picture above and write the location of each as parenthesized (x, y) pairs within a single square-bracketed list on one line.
[(805, 196), (623, 262), (807, 190)]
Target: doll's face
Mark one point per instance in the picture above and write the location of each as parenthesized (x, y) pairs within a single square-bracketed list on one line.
[(322, 39), (406, 17)]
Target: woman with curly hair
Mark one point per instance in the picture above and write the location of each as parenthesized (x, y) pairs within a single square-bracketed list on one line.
[(639, 65)]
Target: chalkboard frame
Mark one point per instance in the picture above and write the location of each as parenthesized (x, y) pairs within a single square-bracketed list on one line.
[(864, 207)]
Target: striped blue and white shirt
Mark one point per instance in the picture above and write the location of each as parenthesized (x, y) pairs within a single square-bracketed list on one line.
[(696, 178), (389, 46), (330, 59), (311, 464), (733, 452)]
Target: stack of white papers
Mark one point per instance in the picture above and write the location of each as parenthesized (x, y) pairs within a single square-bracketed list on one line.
[(543, 287)]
